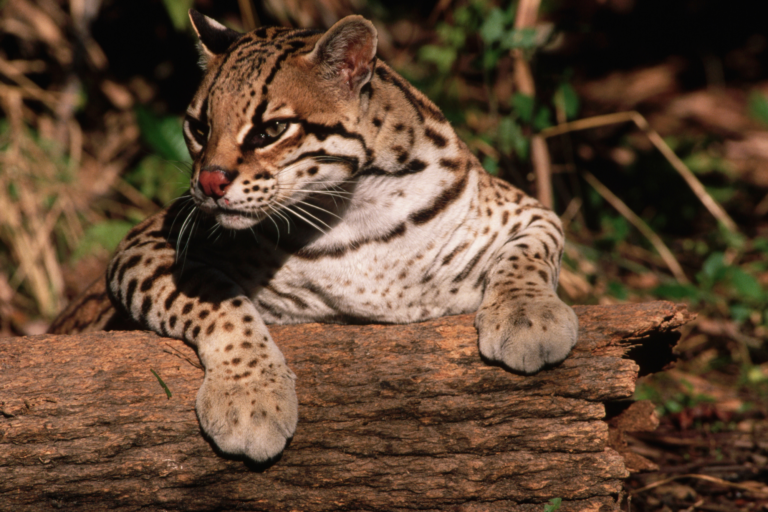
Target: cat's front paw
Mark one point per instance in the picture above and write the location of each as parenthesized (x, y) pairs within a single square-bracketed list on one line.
[(527, 335), (254, 417)]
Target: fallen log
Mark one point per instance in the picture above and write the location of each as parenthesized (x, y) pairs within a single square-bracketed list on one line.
[(391, 417)]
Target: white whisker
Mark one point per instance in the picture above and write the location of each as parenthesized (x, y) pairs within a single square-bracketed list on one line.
[(176, 217), (291, 209), (282, 216), (189, 223), (305, 212), (213, 230), (305, 203), (277, 228), (339, 194), (180, 236), (182, 167)]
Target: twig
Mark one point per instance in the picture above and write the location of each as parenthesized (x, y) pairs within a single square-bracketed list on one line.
[(697, 476), (134, 196), (709, 203), (570, 212), (248, 14), (640, 224), (170, 349), (619, 499), (526, 17), (542, 168), (527, 12), (636, 252), (441, 6), (28, 87)]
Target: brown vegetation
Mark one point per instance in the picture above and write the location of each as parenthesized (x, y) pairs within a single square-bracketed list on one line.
[(76, 168)]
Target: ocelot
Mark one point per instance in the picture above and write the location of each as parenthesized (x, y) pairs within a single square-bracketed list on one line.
[(324, 188)]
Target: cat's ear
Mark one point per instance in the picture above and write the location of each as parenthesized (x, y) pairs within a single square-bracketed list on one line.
[(346, 53), (214, 37)]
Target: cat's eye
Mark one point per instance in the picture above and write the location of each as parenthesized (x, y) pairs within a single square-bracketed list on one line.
[(262, 136), (195, 129), (274, 130)]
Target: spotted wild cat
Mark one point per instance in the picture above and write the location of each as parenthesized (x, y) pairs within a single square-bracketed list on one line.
[(324, 188)]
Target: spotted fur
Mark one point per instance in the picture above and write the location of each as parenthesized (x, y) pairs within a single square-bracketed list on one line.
[(325, 188)]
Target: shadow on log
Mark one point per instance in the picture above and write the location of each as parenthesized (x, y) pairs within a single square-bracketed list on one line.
[(391, 417)]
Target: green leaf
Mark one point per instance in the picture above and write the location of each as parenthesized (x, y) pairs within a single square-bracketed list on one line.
[(722, 194), (615, 228), (159, 179), (543, 118), (645, 391), (567, 99), (441, 56), (677, 291), (163, 134), (102, 236), (177, 11), (462, 16), (490, 165), (452, 35), (761, 244), (13, 191), (523, 38), (740, 313), (554, 505), (511, 138), (745, 285), (523, 106), (755, 374), (673, 406), (618, 290), (714, 268), (733, 240), (493, 28), (164, 386), (491, 58), (703, 162), (758, 107)]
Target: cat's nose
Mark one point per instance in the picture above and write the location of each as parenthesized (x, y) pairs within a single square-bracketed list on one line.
[(214, 181)]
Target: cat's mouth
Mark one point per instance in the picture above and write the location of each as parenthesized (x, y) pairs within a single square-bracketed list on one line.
[(235, 219), (232, 219)]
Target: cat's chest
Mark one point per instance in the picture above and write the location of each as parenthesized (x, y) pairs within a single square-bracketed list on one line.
[(398, 275)]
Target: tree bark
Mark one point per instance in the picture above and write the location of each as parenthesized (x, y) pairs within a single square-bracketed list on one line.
[(391, 417)]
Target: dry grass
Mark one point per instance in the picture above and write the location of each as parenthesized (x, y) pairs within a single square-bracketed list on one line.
[(50, 171), (39, 200)]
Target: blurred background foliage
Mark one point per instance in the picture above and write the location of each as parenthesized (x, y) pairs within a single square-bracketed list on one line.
[(92, 93)]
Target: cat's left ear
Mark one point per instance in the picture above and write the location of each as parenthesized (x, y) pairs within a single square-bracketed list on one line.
[(347, 53), (215, 38)]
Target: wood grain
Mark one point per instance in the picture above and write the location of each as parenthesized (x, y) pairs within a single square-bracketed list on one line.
[(391, 417)]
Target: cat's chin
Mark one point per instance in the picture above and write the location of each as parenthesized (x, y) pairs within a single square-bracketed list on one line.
[(233, 220)]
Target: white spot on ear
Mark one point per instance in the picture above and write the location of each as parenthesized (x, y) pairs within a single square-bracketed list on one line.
[(214, 38)]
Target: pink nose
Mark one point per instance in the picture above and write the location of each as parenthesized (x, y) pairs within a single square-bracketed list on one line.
[(214, 181)]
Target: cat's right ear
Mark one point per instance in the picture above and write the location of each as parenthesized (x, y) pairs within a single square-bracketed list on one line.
[(214, 37), (347, 53)]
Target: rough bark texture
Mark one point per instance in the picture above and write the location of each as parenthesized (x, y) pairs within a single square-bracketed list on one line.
[(391, 417)]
